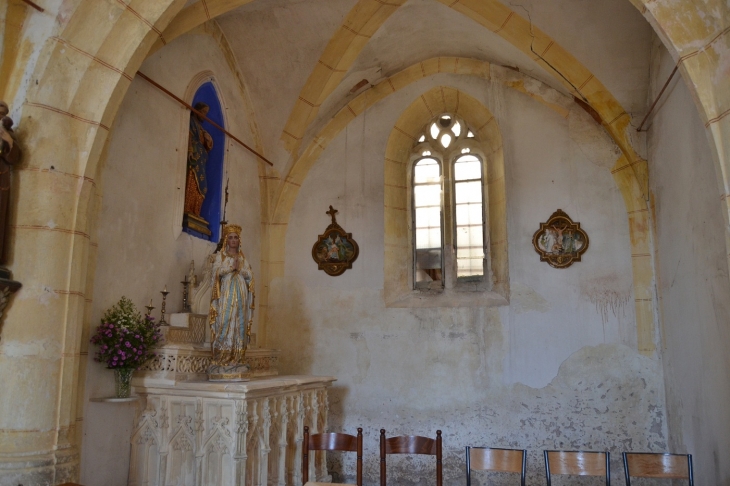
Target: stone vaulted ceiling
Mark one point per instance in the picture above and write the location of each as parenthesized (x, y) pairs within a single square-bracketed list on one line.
[(280, 44)]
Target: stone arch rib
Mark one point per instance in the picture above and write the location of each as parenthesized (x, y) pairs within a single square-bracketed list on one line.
[(365, 18)]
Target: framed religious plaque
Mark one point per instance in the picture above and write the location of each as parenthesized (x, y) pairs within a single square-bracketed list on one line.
[(335, 250), (559, 241)]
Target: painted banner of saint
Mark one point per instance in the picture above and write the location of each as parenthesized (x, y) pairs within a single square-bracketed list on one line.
[(200, 143)]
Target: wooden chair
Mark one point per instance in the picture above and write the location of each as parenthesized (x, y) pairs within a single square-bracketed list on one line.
[(658, 465), (410, 444), (577, 463), (331, 442), (497, 460)]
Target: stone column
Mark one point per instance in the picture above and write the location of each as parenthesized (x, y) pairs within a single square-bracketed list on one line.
[(81, 76)]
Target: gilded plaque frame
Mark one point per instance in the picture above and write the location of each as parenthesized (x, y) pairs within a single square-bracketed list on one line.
[(560, 242), (335, 250)]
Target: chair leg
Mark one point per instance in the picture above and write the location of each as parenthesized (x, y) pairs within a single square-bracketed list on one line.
[(468, 467), (382, 457), (305, 456), (439, 466)]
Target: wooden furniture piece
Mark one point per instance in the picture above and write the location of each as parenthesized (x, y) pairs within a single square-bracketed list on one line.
[(331, 442), (497, 460), (658, 465), (577, 463), (410, 444)]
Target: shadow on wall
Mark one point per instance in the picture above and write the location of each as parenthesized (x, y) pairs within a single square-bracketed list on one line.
[(290, 328)]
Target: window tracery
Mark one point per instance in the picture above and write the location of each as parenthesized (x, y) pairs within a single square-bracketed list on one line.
[(448, 210)]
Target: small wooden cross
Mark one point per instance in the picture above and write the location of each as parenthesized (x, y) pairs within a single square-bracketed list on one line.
[(332, 213)]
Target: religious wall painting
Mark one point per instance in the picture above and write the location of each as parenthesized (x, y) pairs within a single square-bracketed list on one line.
[(335, 250), (560, 242)]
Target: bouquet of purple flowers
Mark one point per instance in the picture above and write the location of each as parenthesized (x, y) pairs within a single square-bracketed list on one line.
[(125, 338)]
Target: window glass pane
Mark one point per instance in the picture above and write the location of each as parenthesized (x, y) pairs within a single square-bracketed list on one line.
[(469, 134), (434, 130), (467, 167), (428, 217), (468, 192), (426, 170), (422, 138), (469, 267), (476, 238), (469, 237), (427, 195), (470, 253), (456, 128), (428, 237), (446, 140), (469, 214)]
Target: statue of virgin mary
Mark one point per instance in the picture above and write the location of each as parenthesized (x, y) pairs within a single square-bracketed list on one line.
[(231, 308)]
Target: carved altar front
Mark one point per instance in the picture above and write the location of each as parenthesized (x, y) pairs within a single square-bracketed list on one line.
[(201, 433)]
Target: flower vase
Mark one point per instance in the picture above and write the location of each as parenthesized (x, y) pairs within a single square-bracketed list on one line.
[(123, 382)]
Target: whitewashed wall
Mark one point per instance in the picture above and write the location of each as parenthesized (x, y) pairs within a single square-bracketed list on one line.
[(139, 252), (557, 368), (694, 288)]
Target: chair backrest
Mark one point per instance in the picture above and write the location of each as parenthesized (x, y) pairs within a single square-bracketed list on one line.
[(577, 463), (410, 444), (658, 465), (331, 442), (497, 460)]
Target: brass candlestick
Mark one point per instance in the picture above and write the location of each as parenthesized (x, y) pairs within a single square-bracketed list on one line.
[(164, 297), (149, 308), (186, 304)]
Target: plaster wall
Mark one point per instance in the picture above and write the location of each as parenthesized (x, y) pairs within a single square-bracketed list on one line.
[(139, 250), (694, 290), (556, 368)]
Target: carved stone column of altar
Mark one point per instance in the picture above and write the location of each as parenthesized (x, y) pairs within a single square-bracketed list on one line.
[(246, 433)]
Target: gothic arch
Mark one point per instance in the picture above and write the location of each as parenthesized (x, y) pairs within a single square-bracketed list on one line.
[(441, 99)]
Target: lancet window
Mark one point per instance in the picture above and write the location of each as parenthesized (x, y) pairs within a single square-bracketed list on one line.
[(448, 209)]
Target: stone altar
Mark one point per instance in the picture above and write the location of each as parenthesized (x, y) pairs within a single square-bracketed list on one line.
[(193, 432), (201, 433)]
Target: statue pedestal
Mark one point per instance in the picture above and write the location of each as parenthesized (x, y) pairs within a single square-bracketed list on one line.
[(201, 432), (180, 362), (186, 355)]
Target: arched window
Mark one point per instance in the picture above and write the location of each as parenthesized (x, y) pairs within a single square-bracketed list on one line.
[(428, 225), (448, 206), (204, 170)]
